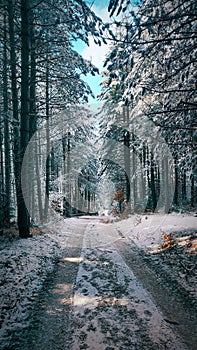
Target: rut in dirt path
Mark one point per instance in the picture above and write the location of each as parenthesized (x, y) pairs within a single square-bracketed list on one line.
[(177, 308), (50, 319), (94, 301)]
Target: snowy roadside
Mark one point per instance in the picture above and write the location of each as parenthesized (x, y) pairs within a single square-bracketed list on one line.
[(146, 230), (175, 264), (24, 266)]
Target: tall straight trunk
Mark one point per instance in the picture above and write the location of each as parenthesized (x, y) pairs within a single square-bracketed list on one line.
[(89, 196), (32, 99), (23, 215), (144, 173), (32, 112), (134, 173), (127, 153), (2, 219), (142, 189), (38, 183), (153, 190), (176, 177), (66, 180), (184, 186), (158, 182), (14, 93), (192, 190), (68, 192), (148, 167), (6, 129), (148, 177), (166, 184), (192, 176), (47, 176), (53, 170), (64, 162), (77, 196)]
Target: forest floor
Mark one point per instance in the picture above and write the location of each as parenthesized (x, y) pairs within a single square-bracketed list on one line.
[(91, 283)]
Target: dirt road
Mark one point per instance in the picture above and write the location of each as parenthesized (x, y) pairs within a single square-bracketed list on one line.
[(105, 295)]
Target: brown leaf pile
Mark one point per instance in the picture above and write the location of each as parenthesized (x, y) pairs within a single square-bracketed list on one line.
[(36, 231), (169, 241)]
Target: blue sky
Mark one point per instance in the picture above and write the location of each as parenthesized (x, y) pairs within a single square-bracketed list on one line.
[(94, 52), (99, 3)]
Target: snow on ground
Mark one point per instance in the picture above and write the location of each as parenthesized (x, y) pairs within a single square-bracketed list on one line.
[(25, 264), (147, 230), (112, 310), (178, 261)]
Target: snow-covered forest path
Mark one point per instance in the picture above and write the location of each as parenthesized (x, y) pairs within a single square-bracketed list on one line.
[(103, 295)]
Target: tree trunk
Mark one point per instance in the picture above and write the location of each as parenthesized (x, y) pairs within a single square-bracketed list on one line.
[(2, 219), (68, 192), (142, 169), (176, 190), (23, 215), (153, 190), (6, 202), (134, 173), (14, 92), (89, 196), (39, 190), (53, 172), (184, 186), (166, 184), (47, 178), (192, 200), (127, 153), (32, 112)]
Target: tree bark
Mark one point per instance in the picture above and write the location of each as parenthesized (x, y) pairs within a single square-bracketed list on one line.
[(134, 173), (38, 182), (153, 190), (176, 177), (32, 113), (6, 202), (2, 219), (47, 178), (68, 187), (23, 215), (14, 92), (127, 153)]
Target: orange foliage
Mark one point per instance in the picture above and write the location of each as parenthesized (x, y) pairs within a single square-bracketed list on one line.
[(193, 247), (36, 231), (169, 241), (119, 196)]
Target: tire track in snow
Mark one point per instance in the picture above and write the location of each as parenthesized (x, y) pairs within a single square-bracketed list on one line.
[(111, 309), (173, 307), (50, 319)]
